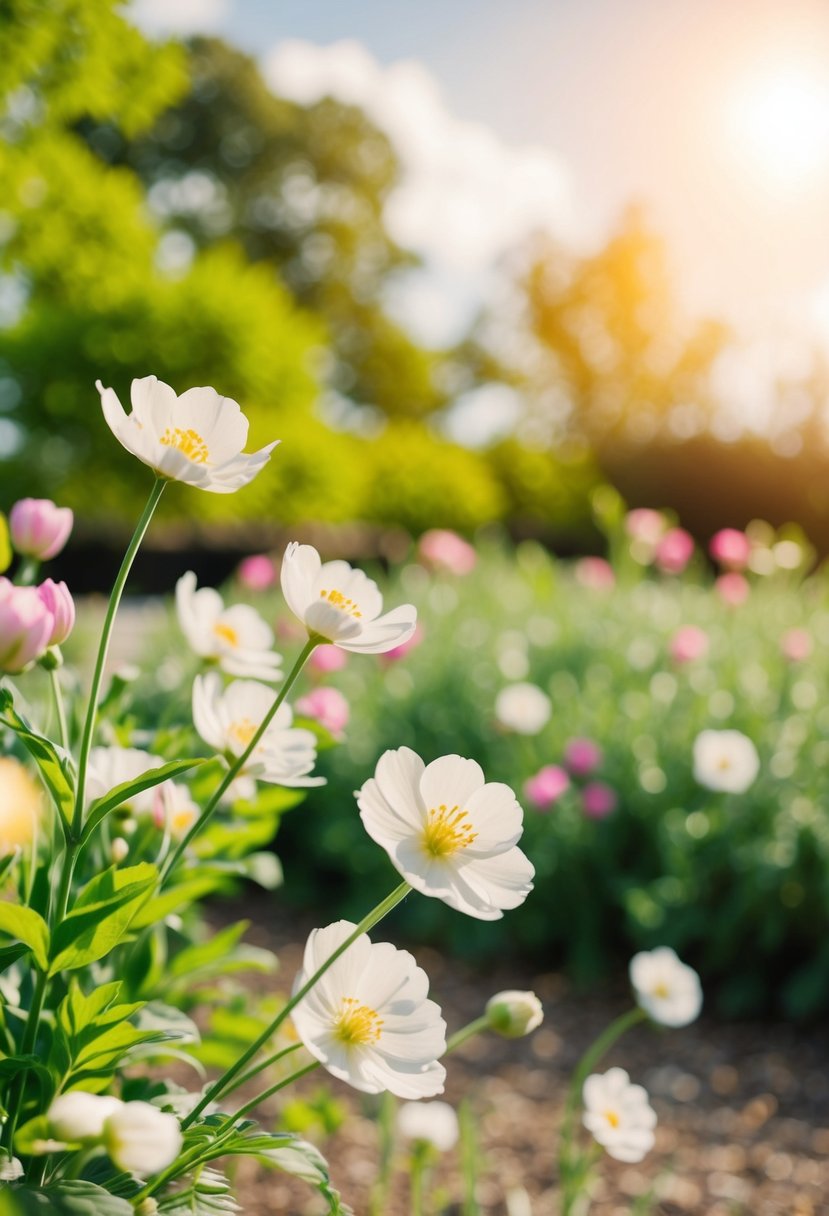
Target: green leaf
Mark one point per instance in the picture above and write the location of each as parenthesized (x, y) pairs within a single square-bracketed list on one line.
[(5, 545), (209, 1194), (127, 790), (28, 928), (67, 1198), (303, 1160), (102, 916), (54, 770)]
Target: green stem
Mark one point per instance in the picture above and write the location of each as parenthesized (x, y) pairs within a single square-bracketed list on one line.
[(27, 574), (368, 922), (60, 711), (27, 1046), (267, 1093), (386, 1129), (254, 1072), (466, 1032), (418, 1174), (239, 763)]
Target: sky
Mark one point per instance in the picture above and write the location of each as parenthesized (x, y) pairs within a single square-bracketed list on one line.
[(558, 113)]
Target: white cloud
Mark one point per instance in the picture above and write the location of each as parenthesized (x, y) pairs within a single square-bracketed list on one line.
[(180, 16)]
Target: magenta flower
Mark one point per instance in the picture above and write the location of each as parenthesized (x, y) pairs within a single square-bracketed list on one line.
[(582, 757), (326, 659), (674, 551), (58, 601), (796, 645), (327, 706), (39, 528), (595, 573), (25, 626), (598, 800), (445, 550), (546, 787), (688, 644), (256, 572), (731, 548), (732, 588)]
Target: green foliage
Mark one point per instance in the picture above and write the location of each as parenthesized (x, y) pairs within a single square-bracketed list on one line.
[(101, 916), (52, 767), (28, 927), (66, 1198), (128, 790)]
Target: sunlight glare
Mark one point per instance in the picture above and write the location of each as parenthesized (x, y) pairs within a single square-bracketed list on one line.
[(780, 120)]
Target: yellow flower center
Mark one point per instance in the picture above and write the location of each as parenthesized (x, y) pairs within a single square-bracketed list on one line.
[(357, 1024), (338, 600), (447, 830), (724, 763), (661, 990), (612, 1118), (189, 442), (226, 633), (242, 731), (181, 820)]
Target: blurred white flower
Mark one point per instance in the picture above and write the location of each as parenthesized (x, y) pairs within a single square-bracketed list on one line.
[(618, 1115), (448, 832), (341, 605), (667, 989), (228, 718), (196, 438), (368, 1020), (725, 760), (523, 708), (141, 1138), (111, 766), (436, 1123), (79, 1115), (236, 638), (174, 809), (512, 1013)]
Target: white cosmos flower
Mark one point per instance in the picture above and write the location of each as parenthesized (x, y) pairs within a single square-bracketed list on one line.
[(174, 809), (341, 605), (448, 832), (141, 1138), (368, 1020), (196, 438), (434, 1122), (523, 708), (725, 760), (228, 718), (236, 638), (111, 766), (619, 1115), (667, 989)]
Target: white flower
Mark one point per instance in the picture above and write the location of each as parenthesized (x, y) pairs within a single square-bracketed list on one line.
[(523, 708), (78, 1115), (513, 1014), (448, 832), (227, 719), (196, 438), (11, 1168), (341, 605), (368, 1019), (141, 1138), (434, 1122), (111, 766), (667, 989), (725, 760), (236, 638), (619, 1115), (174, 809)]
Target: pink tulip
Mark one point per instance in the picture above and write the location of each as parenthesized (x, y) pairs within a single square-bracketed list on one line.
[(796, 645), (582, 757), (546, 786), (645, 524), (38, 528), (326, 659), (688, 644), (730, 548), (25, 626), (598, 800), (327, 706), (732, 588), (59, 602), (674, 551), (445, 550), (400, 652), (256, 572), (595, 573)]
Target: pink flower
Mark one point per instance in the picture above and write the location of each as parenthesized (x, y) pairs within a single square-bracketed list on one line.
[(645, 524), (732, 588), (595, 573), (256, 572), (445, 550), (38, 528), (546, 786), (730, 548), (400, 652), (582, 757), (674, 551), (688, 644), (326, 659), (327, 706), (25, 626), (58, 601), (598, 800), (796, 645)]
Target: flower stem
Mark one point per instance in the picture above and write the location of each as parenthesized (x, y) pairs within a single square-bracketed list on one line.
[(60, 711), (27, 1045), (466, 1032), (235, 769), (267, 1093), (368, 922), (254, 1072)]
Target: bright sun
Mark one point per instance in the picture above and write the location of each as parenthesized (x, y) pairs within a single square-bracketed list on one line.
[(779, 119)]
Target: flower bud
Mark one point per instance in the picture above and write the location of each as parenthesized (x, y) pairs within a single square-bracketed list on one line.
[(80, 1116), (38, 528), (10, 1168), (25, 627), (58, 601), (119, 850), (513, 1014), (257, 572), (141, 1138), (327, 706)]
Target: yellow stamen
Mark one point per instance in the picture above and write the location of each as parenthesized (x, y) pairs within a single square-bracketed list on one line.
[(242, 731), (189, 442), (447, 830), (338, 600), (227, 633), (612, 1118), (661, 990), (357, 1024)]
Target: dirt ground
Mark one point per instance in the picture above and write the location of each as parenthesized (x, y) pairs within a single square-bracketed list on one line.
[(743, 1109)]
